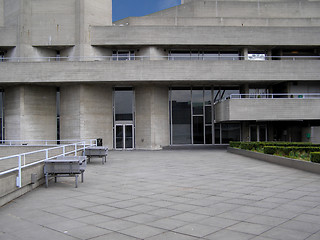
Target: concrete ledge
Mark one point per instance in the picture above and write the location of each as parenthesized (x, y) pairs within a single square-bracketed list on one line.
[(288, 162)]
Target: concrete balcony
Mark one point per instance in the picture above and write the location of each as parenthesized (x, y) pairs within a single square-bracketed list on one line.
[(171, 72), (268, 109), (201, 35)]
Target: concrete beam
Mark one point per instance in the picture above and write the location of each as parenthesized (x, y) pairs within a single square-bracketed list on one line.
[(160, 71)]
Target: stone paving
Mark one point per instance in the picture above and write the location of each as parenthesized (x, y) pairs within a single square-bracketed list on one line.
[(179, 195)]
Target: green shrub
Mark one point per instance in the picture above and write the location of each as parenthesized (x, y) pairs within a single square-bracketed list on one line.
[(234, 144), (315, 157), (270, 150)]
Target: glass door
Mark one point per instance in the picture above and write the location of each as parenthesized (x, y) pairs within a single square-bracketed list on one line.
[(123, 109), (124, 136), (258, 133)]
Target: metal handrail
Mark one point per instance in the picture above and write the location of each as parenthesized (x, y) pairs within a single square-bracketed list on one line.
[(77, 146), (275, 95), (6, 142), (142, 58)]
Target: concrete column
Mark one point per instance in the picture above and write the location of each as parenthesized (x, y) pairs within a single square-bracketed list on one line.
[(152, 117), (153, 53), (30, 113), (245, 54), (86, 112), (91, 13)]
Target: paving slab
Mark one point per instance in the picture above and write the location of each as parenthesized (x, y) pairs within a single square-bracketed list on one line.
[(171, 194)]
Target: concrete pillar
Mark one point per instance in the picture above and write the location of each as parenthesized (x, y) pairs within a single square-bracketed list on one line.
[(91, 13), (152, 53), (245, 54), (86, 112), (30, 113), (152, 117)]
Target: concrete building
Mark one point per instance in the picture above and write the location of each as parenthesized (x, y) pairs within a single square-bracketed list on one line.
[(204, 72)]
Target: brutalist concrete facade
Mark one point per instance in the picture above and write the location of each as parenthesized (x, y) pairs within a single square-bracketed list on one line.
[(204, 72)]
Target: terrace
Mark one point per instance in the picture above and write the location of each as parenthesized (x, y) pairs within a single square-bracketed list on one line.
[(186, 194)]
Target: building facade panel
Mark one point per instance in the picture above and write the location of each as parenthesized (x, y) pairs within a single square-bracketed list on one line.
[(204, 72), (163, 71), (200, 35), (268, 109)]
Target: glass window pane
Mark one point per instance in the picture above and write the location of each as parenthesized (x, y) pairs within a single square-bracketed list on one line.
[(217, 133), (229, 56), (210, 55), (207, 97), (123, 105), (129, 137), (208, 115), (230, 132), (208, 134), (253, 133), (197, 102), (181, 116), (180, 55), (262, 134), (119, 136), (198, 137)]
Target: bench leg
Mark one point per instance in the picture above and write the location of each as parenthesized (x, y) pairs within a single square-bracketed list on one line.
[(47, 181), (55, 179), (76, 180), (81, 176)]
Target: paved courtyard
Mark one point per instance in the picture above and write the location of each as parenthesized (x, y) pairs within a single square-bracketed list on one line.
[(179, 195)]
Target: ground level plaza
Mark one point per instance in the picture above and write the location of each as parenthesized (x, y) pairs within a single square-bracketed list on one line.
[(182, 194)]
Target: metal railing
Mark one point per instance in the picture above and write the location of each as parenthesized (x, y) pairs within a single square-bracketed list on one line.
[(28, 159), (275, 96), (42, 142), (147, 58)]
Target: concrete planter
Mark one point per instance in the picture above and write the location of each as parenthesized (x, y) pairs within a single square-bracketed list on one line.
[(288, 162)]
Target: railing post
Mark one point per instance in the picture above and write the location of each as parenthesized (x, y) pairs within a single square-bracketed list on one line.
[(18, 184), (64, 150), (47, 154), (75, 149)]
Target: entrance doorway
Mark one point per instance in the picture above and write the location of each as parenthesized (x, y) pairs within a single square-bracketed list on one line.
[(258, 133), (123, 125), (124, 137)]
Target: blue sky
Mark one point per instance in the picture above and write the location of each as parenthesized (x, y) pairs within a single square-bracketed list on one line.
[(136, 8)]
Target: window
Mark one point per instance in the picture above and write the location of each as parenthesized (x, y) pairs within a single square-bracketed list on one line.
[(2, 56), (123, 55), (203, 55)]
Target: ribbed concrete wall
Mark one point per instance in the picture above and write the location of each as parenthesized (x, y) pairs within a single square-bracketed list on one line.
[(152, 117), (268, 109), (86, 112), (153, 35), (161, 71), (30, 113)]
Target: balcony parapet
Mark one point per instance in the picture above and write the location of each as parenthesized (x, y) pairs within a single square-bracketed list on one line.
[(269, 107), (152, 58), (206, 72)]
